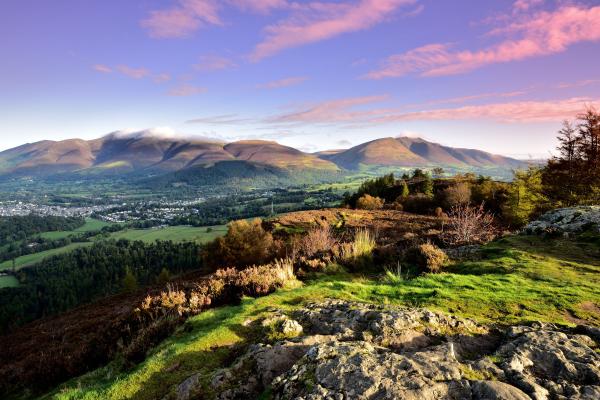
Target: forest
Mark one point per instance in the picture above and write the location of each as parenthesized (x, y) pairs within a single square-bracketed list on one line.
[(65, 281)]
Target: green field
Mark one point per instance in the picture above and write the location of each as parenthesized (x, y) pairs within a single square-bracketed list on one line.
[(173, 233), (8, 281), (519, 280), (30, 259), (91, 225)]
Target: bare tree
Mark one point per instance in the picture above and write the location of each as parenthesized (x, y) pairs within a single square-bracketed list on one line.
[(469, 224)]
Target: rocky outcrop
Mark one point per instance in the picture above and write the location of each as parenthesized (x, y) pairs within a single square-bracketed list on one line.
[(359, 351), (566, 220)]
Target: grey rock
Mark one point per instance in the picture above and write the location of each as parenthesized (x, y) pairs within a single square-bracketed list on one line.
[(566, 220), (494, 390), (359, 351)]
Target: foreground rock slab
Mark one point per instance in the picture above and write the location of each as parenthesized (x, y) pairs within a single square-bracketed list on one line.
[(359, 351)]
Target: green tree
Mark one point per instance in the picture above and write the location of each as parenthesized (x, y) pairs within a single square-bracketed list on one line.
[(163, 277), (525, 196), (405, 192), (427, 186), (129, 282)]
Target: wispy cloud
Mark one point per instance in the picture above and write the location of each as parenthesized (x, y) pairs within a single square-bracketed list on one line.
[(214, 63), (281, 83), (183, 19), (319, 21), (519, 111), (225, 119), (340, 110), (186, 89), (132, 72), (583, 83), (135, 73), (542, 34), (345, 111), (102, 68), (525, 5)]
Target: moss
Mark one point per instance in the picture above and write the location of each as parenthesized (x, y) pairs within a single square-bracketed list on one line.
[(470, 374)]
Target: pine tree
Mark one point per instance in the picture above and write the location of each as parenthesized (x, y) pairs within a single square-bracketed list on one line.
[(129, 282), (163, 277), (405, 191)]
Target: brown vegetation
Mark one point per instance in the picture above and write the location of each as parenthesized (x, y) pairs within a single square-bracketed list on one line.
[(246, 243), (368, 202), (427, 257)]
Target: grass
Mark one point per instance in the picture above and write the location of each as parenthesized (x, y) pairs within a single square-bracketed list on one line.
[(520, 279), (31, 259), (173, 233), (91, 225), (8, 281)]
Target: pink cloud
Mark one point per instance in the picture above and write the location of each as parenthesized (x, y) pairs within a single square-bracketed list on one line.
[(135, 73), (186, 90), (183, 19), (260, 6), (320, 21), (282, 83), (347, 111), (339, 110), (102, 68), (525, 5), (519, 111), (543, 34), (214, 63), (160, 78)]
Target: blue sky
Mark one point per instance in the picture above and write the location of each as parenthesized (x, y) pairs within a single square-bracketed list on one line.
[(495, 75)]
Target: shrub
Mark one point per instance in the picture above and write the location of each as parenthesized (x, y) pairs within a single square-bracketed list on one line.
[(457, 194), (427, 257), (318, 240), (246, 243), (368, 202), (469, 224), (419, 204)]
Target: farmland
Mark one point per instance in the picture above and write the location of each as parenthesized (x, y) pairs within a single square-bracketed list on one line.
[(90, 226), (31, 259), (174, 233)]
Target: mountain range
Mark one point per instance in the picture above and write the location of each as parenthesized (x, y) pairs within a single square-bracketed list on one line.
[(123, 153)]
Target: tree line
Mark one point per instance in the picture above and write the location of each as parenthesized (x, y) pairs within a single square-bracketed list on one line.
[(65, 281)]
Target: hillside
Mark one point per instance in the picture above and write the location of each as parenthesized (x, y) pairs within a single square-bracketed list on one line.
[(412, 152), (385, 152), (468, 324), (150, 153), (146, 153)]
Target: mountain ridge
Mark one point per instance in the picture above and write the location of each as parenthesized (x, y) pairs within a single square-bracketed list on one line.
[(123, 153)]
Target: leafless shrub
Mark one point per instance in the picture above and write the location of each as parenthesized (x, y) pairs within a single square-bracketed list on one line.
[(469, 224), (318, 240)]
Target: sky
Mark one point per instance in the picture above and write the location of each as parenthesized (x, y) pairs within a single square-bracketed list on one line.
[(497, 75)]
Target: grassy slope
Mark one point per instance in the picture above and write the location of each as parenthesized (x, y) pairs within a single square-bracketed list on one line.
[(174, 233), (30, 259), (8, 281), (521, 279)]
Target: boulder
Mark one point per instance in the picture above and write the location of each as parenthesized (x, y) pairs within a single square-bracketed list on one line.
[(566, 221)]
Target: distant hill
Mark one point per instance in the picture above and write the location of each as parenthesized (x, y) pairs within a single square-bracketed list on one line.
[(413, 152), (117, 153), (194, 160)]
